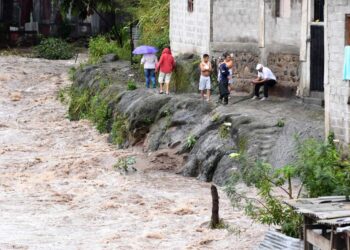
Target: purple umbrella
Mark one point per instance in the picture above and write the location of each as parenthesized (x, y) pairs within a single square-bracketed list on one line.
[(144, 49)]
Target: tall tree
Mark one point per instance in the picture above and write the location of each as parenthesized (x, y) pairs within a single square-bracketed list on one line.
[(123, 10)]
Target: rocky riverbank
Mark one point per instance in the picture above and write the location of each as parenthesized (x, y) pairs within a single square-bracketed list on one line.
[(199, 134)]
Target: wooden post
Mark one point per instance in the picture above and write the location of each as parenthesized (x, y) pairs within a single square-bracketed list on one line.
[(215, 219), (307, 222)]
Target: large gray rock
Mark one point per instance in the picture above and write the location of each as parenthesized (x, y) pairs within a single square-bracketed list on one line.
[(161, 122), (110, 58)]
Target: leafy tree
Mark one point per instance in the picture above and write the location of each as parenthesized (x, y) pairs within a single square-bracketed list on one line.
[(320, 167), (153, 17), (123, 10)]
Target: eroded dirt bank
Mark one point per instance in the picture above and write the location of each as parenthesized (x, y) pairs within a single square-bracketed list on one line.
[(58, 189)]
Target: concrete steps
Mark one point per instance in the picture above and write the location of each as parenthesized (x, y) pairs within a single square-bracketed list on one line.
[(315, 98)]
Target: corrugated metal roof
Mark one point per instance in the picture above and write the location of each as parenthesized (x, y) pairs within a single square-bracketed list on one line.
[(277, 241)]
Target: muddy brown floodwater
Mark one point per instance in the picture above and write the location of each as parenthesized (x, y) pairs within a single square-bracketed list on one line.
[(58, 189)]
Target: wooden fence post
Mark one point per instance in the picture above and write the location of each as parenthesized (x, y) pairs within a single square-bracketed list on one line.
[(215, 219)]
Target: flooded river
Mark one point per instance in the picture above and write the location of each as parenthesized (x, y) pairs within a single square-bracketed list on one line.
[(59, 190)]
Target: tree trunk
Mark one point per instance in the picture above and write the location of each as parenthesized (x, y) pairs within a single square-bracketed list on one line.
[(215, 219)]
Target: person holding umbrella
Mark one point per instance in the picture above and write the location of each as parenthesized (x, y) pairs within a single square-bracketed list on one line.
[(149, 62), (165, 67)]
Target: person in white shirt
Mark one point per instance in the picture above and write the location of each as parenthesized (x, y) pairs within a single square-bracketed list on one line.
[(149, 62), (265, 78)]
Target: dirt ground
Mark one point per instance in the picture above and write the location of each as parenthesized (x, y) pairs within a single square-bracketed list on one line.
[(59, 190)]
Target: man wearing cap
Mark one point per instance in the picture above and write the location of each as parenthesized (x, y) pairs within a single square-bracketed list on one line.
[(265, 78)]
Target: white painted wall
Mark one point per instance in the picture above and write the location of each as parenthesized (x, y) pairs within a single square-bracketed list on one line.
[(236, 24), (190, 31)]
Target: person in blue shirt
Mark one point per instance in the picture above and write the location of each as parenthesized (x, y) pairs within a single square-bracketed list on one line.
[(224, 81)]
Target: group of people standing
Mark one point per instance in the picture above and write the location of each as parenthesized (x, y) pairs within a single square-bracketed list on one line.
[(166, 65)]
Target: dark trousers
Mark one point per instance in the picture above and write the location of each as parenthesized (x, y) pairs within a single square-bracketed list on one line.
[(150, 76), (224, 93), (266, 84)]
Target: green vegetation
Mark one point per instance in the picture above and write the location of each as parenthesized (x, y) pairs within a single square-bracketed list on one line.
[(123, 10), (124, 163), (63, 95), (120, 128), (221, 225), (215, 117), (100, 114), (168, 117), (71, 73), (153, 16), (280, 123), (79, 105), (225, 130), (190, 142), (131, 85), (84, 105), (320, 168), (54, 49), (267, 207), (186, 74), (103, 45)]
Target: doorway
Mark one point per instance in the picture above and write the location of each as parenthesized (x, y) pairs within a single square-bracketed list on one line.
[(317, 47), (317, 58)]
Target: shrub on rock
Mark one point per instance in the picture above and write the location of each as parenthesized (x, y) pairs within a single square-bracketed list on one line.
[(54, 49)]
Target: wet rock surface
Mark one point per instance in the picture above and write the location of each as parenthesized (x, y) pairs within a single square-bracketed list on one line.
[(264, 130)]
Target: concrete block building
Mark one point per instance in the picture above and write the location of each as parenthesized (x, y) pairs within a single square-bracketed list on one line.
[(302, 41), (337, 87), (276, 33)]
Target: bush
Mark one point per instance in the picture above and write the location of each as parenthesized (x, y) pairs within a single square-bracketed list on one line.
[(100, 114), (225, 130), (119, 133), (100, 46), (267, 208), (280, 123), (79, 105), (131, 85), (320, 167), (190, 142), (85, 105), (54, 49)]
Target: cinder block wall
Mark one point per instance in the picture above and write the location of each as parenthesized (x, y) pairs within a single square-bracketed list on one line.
[(236, 29), (190, 31), (337, 90)]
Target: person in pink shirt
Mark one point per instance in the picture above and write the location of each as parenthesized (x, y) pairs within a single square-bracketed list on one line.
[(165, 66)]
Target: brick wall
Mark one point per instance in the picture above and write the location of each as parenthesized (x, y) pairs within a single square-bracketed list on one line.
[(190, 31), (337, 90)]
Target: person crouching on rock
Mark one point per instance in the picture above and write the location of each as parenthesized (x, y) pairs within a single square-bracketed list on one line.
[(204, 81), (265, 78), (165, 66), (149, 62), (224, 80)]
